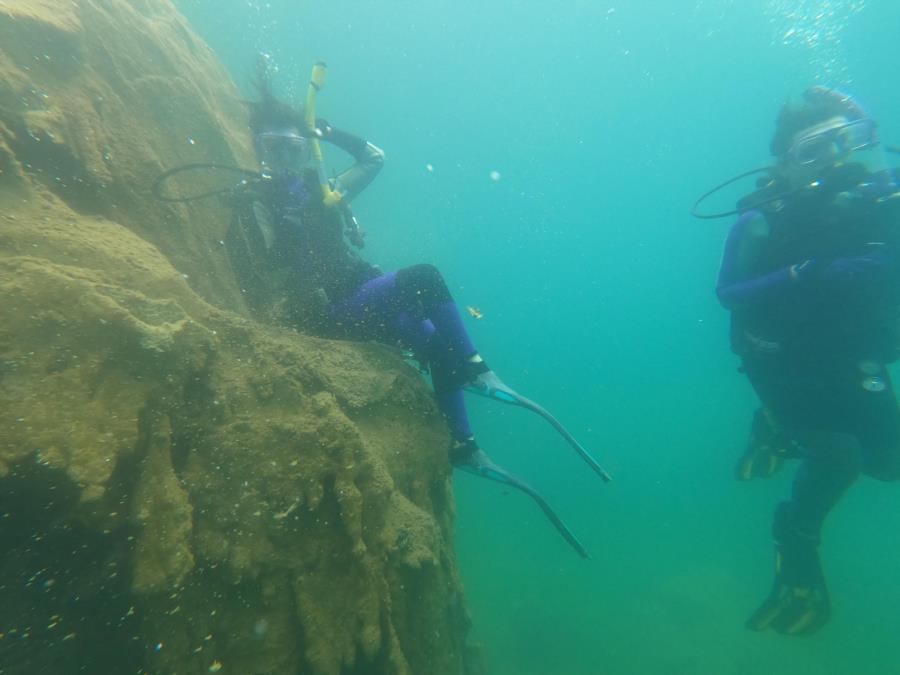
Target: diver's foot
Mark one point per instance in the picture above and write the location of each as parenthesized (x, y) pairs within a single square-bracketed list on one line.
[(475, 375), (761, 460), (793, 610), (467, 456), (799, 602), (464, 453), (473, 370), (480, 379), (767, 449)]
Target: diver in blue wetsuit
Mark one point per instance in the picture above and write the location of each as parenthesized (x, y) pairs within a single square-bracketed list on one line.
[(298, 229), (811, 275)]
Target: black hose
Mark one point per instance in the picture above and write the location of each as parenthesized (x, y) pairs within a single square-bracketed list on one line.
[(722, 214), (157, 188)]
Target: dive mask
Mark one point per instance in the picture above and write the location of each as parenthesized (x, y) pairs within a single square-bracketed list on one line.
[(284, 150), (833, 142)]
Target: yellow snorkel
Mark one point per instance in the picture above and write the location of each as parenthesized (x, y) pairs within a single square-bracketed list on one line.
[(316, 83)]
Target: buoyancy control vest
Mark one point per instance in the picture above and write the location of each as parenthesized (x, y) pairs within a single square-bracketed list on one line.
[(289, 252), (849, 213)]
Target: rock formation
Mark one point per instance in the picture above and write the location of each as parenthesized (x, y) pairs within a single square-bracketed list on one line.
[(182, 488)]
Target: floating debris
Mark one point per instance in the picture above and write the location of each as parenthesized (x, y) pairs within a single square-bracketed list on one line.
[(260, 627), (475, 312), (286, 513)]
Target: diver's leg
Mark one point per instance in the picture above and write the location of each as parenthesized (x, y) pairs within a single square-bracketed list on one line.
[(767, 448), (812, 403), (798, 603), (879, 425), (383, 308), (379, 309), (452, 404), (788, 401), (369, 310), (387, 307), (423, 287), (418, 291)]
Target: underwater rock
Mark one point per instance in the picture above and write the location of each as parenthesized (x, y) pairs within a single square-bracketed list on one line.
[(182, 488)]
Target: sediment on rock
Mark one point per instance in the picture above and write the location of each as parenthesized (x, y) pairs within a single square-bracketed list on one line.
[(182, 488)]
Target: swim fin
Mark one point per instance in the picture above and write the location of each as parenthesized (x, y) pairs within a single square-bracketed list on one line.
[(468, 457), (486, 383), (798, 603), (767, 448)]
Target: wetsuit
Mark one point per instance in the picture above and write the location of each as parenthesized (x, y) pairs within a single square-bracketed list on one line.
[(291, 255), (307, 257), (813, 285), (414, 308)]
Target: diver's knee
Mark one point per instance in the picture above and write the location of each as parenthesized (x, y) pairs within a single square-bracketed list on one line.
[(424, 282), (843, 452), (424, 274), (788, 527)]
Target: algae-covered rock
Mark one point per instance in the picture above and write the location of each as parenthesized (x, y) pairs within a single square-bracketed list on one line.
[(183, 489)]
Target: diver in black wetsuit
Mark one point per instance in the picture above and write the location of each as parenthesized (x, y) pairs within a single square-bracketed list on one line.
[(286, 236), (811, 275)]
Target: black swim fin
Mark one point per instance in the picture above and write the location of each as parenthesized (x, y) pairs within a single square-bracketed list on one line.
[(472, 459), (487, 383), (767, 449), (798, 603)]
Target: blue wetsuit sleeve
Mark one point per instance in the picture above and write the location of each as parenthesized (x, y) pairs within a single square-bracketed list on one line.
[(731, 289), (847, 270)]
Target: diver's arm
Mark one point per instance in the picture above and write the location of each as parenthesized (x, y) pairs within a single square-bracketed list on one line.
[(369, 160), (735, 287), (844, 271)]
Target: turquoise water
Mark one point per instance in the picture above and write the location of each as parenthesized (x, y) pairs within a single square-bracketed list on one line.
[(604, 120)]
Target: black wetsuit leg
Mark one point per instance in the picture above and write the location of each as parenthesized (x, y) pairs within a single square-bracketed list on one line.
[(877, 417), (822, 405), (844, 423)]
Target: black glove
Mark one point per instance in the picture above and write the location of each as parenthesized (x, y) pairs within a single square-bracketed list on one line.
[(805, 270), (851, 269), (355, 145), (323, 129)]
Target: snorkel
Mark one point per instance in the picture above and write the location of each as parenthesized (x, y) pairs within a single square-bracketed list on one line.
[(284, 150), (332, 198), (316, 84)]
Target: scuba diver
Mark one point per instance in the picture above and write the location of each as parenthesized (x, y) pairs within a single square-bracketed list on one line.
[(811, 276), (292, 230)]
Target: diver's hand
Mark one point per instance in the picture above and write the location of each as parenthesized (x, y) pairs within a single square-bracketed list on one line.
[(850, 269), (803, 271), (323, 129)]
